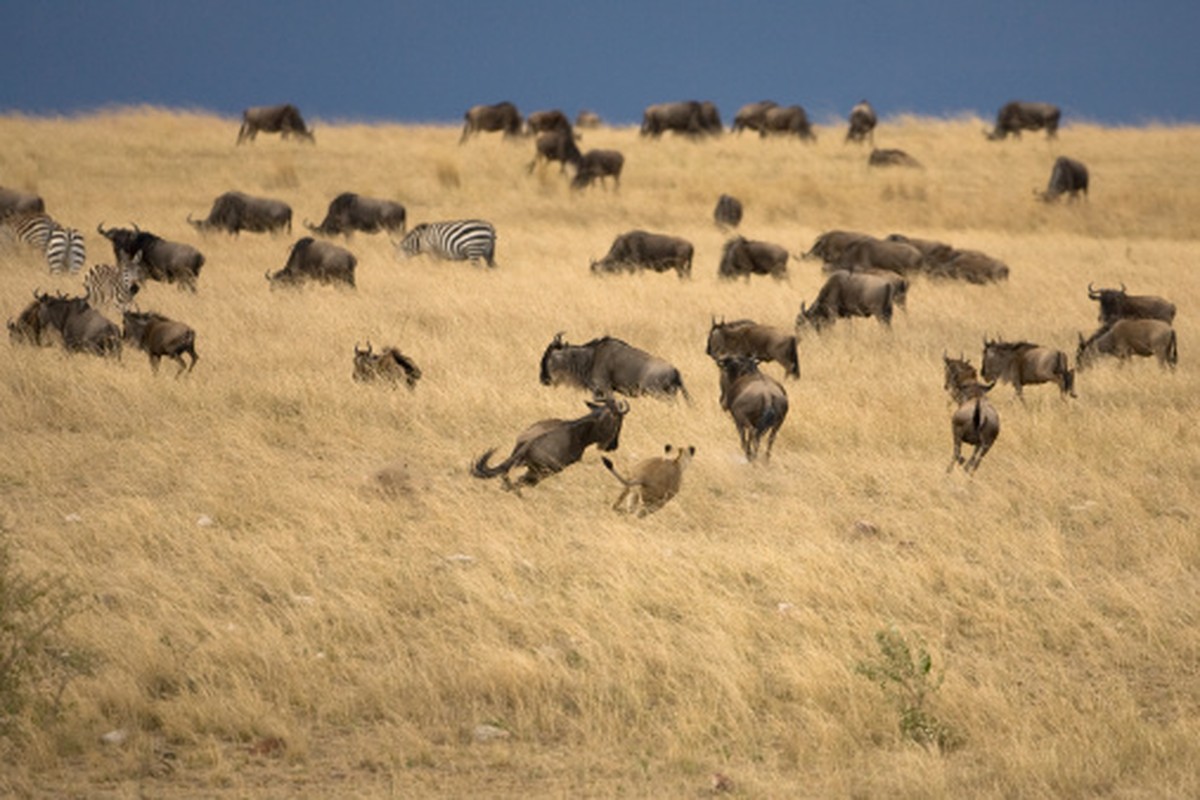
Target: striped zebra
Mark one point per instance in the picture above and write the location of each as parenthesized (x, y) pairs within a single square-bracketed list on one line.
[(65, 251), (33, 229), (455, 240), (105, 284)]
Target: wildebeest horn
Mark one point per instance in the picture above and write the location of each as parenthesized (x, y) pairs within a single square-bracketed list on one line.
[(558, 340), (100, 228), (267, 274), (1092, 293), (1122, 287), (622, 406)]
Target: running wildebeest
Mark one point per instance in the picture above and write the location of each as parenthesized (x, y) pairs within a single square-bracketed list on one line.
[(389, 365), (1017, 116), (786, 120), (1130, 337), (161, 260), (891, 157), (1069, 177), (1115, 304), (757, 402), (234, 212), (350, 212), (744, 337), (320, 261), (602, 164), (556, 145), (752, 116), (862, 123), (159, 336), (652, 482), (282, 119), (13, 202), (728, 213), (81, 327), (687, 116), (639, 249), (974, 422), (849, 294), (743, 256), (27, 327), (499, 117), (551, 445), (606, 365), (1025, 363)]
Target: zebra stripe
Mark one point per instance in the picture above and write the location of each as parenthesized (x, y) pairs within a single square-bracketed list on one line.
[(455, 240), (65, 251), (105, 284), (34, 229)]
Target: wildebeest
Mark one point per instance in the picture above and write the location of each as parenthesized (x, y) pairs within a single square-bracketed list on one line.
[(587, 119), (552, 445), (832, 245), (14, 202), (639, 249), (899, 257), (744, 337), (1025, 363), (891, 157), (1116, 304), (849, 294), (975, 422), (310, 259), (159, 337), (606, 365), (787, 120), (862, 123), (81, 327), (728, 212), (747, 257), (499, 117), (687, 116), (960, 376), (389, 365), (551, 120), (1069, 177), (757, 402), (602, 164), (971, 266), (752, 116), (556, 145), (234, 212), (653, 481), (1130, 337), (933, 253), (282, 119), (27, 327), (1017, 116), (350, 212), (161, 260)]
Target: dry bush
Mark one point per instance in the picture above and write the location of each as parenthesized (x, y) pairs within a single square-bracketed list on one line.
[(266, 618)]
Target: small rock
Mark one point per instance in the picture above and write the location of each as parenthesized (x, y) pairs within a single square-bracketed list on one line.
[(205, 521), (864, 528), (115, 737), (72, 518), (488, 733), (461, 558)]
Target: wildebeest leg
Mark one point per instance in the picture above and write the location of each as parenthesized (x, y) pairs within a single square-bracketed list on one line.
[(154, 364), (770, 444), (977, 456), (957, 457)]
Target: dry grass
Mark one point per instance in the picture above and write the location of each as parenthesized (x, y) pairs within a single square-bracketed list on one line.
[(324, 638)]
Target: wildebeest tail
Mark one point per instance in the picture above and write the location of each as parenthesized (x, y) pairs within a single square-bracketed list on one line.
[(480, 468), (767, 420), (1063, 367), (977, 416), (1172, 350)]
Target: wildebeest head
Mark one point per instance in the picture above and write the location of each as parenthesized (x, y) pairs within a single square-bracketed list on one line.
[(560, 360), (389, 364)]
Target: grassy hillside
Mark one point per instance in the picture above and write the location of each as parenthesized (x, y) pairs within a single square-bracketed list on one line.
[(263, 620)]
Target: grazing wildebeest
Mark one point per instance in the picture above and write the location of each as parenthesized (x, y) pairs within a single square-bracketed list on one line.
[(862, 123), (831, 245), (282, 119), (687, 116), (1115, 304), (1017, 116), (747, 257), (552, 445), (1025, 363), (971, 266), (587, 119), (350, 212), (82, 327), (752, 116), (642, 250), (891, 157), (728, 213), (653, 481), (602, 164), (321, 261), (161, 260), (1130, 337), (27, 327), (933, 252), (849, 294), (159, 337), (13, 202), (899, 257), (551, 120), (787, 120), (757, 402), (557, 146), (234, 212), (389, 365), (975, 422), (744, 337), (606, 365), (499, 117), (1069, 177), (898, 281)]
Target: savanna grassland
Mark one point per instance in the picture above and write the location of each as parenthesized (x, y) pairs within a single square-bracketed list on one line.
[(262, 617)]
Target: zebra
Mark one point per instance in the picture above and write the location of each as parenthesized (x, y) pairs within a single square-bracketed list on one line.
[(65, 250), (455, 240), (116, 286), (33, 229)]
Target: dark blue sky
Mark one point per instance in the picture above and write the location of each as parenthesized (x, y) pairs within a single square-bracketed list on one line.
[(1109, 61)]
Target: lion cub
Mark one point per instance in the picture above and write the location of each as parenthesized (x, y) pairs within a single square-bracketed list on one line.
[(653, 481)]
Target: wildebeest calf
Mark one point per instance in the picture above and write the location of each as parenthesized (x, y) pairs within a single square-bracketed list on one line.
[(389, 364), (159, 337), (1130, 337)]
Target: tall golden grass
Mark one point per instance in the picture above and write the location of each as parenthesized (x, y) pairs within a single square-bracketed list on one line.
[(322, 637)]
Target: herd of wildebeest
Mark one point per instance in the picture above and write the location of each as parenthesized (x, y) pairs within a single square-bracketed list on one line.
[(867, 276)]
